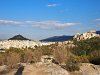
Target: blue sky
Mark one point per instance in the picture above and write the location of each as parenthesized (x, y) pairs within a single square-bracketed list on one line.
[(39, 19)]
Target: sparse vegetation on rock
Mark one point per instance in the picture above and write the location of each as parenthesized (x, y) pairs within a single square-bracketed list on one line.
[(69, 58)]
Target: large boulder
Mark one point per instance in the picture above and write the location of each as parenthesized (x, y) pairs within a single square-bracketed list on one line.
[(44, 69), (89, 69), (3, 69)]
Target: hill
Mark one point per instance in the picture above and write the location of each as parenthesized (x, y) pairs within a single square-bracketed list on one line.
[(97, 32), (58, 38), (18, 37)]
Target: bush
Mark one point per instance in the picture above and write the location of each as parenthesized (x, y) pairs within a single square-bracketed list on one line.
[(61, 54), (27, 56), (82, 59), (71, 65), (37, 55), (12, 59), (2, 58)]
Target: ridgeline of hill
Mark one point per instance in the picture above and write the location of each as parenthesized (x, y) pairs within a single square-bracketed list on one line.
[(50, 39), (57, 38), (60, 38), (18, 37), (97, 32)]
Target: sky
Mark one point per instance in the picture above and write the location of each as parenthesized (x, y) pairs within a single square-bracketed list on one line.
[(40, 19)]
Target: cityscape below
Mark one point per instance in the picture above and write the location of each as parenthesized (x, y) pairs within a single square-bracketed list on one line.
[(18, 41)]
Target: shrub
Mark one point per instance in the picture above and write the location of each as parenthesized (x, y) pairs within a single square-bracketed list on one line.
[(61, 54), (12, 59), (82, 59), (71, 65), (27, 56), (37, 54), (2, 59)]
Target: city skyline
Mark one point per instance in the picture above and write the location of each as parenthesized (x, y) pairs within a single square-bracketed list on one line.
[(39, 19)]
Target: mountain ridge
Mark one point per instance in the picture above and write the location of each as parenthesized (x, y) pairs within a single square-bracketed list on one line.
[(18, 37), (50, 39), (57, 38), (97, 32)]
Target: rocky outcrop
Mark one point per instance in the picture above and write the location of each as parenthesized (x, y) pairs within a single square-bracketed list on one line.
[(52, 69), (44, 69), (3, 69), (39, 69), (89, 69)]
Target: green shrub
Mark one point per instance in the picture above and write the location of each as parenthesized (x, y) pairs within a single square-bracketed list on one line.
[(72, 65)]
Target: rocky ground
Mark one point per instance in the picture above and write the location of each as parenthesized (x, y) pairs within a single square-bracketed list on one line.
[(51, 69), (39, 69), (89, 69)]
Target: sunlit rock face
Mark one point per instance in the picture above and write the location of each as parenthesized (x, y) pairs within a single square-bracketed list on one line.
[(89, 69), (43, 69)]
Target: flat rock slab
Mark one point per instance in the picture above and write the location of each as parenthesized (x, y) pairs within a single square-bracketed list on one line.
[(89, 69), (44, 69)]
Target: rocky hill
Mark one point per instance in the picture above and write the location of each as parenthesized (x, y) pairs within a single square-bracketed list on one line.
[(18, 37), (57, 38), (97, 32)]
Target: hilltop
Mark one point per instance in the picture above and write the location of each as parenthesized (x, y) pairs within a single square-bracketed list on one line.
[(97, 32), (18, 37), (58, 38)]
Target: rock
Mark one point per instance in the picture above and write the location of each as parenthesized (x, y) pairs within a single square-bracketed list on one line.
[(44, 69), (89, 69), (39, 69), (3, 69)]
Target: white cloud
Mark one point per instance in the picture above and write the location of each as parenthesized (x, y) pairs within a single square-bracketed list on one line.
[(51, 24), (98, 19), (98, 24), (52, 5), (39, 24), (9, 22)]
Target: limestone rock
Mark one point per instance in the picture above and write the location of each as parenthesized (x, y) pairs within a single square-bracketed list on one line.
[(44, 69), (89, 69)]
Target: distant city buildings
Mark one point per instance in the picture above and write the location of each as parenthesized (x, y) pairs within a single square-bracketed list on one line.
[(6, 44), (86, 35)]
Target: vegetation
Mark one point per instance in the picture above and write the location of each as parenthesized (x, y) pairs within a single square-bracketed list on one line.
[(68, 57), (87, 50), (71, 65)]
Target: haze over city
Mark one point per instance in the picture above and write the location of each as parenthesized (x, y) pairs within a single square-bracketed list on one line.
[(39, 19)]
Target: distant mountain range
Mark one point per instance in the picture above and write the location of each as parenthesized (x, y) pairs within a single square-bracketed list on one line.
[(50, 39), (18, 37), (97, 32), (57, 38), (60, 38)]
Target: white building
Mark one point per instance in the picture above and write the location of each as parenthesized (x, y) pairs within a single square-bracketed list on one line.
[(86, 35), (6, 44)]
